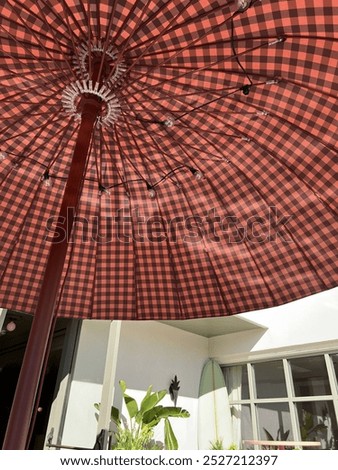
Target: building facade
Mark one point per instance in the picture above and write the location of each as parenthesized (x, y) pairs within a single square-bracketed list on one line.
[(280, 367)]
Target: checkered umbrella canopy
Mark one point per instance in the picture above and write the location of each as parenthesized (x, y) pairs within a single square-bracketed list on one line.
[(209, 184)]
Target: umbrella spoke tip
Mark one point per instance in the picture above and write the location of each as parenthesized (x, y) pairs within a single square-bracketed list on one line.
[(3, 155)]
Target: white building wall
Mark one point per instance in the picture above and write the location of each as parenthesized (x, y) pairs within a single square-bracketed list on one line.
[(152, 353), (80, 424), (301, 327)]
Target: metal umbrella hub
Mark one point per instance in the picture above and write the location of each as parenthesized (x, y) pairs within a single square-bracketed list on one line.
[(105, 90)]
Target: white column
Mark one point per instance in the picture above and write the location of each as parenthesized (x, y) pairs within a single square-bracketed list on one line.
[(107, 394), (3, 312)]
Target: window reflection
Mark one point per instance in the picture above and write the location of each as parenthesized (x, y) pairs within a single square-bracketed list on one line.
[(317, 422), (310, 376), (274, 422), (270, 380)]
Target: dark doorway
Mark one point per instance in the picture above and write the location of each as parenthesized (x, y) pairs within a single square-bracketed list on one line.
[(13, 339)]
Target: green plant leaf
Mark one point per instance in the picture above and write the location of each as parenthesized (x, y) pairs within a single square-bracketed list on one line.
[(147, 395), (154, 416), (216, 445), (115, 415), (285, 435), (268, 435), (308, 420), (129, 401), (131, 405), (170, 440), (151, 400), (123, 386)]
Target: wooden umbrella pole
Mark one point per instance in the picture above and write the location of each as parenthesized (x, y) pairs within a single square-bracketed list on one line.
[(42, 325)]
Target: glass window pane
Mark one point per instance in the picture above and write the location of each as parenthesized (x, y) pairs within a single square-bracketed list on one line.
[(310, 376), (270, 380), (246, 424), (236, 379), (317, 422), (274, 422)]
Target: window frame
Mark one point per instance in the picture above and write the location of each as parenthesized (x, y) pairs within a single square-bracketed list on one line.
[(291, 399)]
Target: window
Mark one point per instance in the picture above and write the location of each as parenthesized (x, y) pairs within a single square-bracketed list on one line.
[(285, 399), (310, 376)]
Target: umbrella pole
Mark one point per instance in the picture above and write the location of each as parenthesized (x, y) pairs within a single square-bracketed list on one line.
[(42, 325)]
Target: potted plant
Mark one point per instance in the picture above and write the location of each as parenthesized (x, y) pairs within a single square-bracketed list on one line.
[(137, 432)]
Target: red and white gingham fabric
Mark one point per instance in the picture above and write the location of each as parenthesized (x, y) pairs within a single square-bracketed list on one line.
[(258, 230)]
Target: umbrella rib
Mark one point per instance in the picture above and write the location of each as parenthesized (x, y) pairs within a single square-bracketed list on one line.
[(171, 170), (38, 18), (256, 189), (141, 154), (210, 44), (199, 136), (30, 130), (95, 256), (280, 117), (106, 41), (283, 164), (217, 158), (203, 90), (58, 43), (34, 139), (27, 113), (42, 45), (123, 47), (156, 38), (21, 92), (96, 159), (309, 88), (124, 156), (70, 32), (200, 16), (29, 52), (54, 159), (171, 96), (98, 23), (183, 102), (89, 40), (162, 32), (183, 95), (197, 108), (37, 72), (122, 177), (125, 43), (193, 70), (64, 7), (64, 129), (182, 49)]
